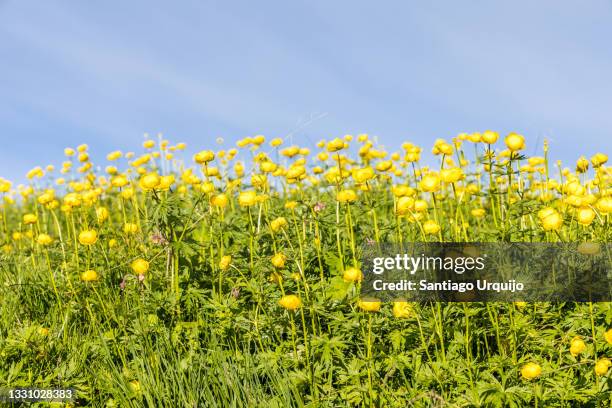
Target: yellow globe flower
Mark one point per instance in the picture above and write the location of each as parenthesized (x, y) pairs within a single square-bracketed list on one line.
[(204, 157), (225, 262), (420, 206), (531, 371), (363, 175), (352, 274), (102, 214), (577, 346), (290, 151), (431, 227), (369, 305), (46, 198), (515, 142), (130, 228), (550, 219), (478, 212), (602, 366), (430, 183), (268, 166), (259, 180), (290, 302), (278, 224), (384, 165), (165, 182), (296, 173), (604, 205), (30, 219), (346, 196), (5, 186), (88, 237), (149, 181), (451, 175), (404, 205), (247, 198), (582, 165), (335, 145), (585, 215), (83, 157), (114, 155), (278, 260), (402, 309), (402, 191), (44, 239), (140, 266), (119, 181), (608, 336), (89, 276), (599, 159), (206, 187), (219, 201), (441, 147), (489, 136)]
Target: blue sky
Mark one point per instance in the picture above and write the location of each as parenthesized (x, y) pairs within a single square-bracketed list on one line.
[(103, 73)]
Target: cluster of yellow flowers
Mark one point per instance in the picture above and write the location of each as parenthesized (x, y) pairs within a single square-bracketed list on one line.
[(284, 190), (416, 189), (533, 370)]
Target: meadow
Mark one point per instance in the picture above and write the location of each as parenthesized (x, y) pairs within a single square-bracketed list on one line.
[(231, 278)]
